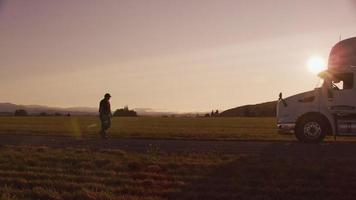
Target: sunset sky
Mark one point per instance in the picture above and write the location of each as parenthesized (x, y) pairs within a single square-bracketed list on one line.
[(168, 55)]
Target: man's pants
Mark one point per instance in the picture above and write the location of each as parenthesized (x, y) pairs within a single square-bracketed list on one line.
[(105, 123)]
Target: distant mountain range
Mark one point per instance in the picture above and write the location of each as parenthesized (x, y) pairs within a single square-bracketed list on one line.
[(36, 109), (9, 109)]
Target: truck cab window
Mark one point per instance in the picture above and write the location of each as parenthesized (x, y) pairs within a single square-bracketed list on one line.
[(342, 81)]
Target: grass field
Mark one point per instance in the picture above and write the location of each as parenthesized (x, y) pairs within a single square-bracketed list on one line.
[(45, 173), (147, 127), (281, 170)]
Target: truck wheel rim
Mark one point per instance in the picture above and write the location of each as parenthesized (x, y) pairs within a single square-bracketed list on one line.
[(312, 130)]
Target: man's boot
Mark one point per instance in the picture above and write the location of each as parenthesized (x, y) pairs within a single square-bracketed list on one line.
[(103, 134)]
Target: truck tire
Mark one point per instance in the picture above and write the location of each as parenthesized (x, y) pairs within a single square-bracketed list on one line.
[(311, 129)]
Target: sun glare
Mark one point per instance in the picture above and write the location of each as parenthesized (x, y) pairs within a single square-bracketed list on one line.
[(316, 64)]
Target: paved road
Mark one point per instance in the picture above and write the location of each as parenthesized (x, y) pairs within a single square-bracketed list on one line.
[(278, 148), (138, 145)]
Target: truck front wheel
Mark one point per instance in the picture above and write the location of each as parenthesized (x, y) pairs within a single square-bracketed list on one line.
[(311, 129)]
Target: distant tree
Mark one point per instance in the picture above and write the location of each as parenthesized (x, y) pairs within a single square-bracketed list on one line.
[(21, 112), (68, 115), (44, 114), (58, 114), (216, 114), (125, 112), (207, 115)]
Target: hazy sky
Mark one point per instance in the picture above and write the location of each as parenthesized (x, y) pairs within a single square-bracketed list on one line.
[(175, 55)]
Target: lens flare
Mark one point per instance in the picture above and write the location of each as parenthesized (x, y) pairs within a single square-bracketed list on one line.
[(316, 64)]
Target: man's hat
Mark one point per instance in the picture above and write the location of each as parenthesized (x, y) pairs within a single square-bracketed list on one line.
[(107, 95)]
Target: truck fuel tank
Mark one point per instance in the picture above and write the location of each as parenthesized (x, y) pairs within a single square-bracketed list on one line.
[(346, 127)]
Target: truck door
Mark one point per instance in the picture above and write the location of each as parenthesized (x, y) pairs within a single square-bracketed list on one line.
[(342, 103), (342, 94)]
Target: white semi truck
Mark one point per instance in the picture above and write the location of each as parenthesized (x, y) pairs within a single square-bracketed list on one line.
[(326, 110)]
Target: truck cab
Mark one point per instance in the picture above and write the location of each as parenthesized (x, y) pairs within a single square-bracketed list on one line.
[(326, 110)]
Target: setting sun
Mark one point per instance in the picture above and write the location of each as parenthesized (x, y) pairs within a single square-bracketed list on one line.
[(316, 64)]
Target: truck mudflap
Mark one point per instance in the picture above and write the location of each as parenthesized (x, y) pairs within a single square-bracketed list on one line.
[(286, 128)]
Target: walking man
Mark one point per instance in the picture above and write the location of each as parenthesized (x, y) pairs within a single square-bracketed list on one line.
[(105, 114)]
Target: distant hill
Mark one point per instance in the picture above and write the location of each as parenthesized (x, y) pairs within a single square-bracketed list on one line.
[(267, 109)]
